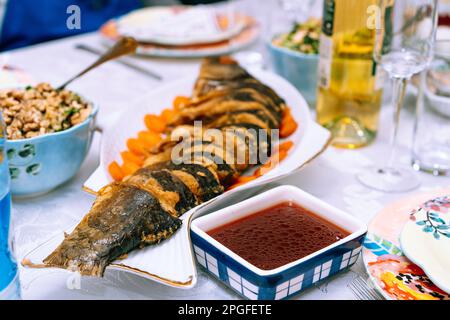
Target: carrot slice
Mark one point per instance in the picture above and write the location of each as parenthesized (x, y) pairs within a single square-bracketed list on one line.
[(115, 171), (155, 123), (274, 160), (286, 145), (128, 156), (288, 124), (136, 147), (277, 157), (245, 179), (282, 154), (149, 139), (129, 168), (180, 102), (234, 186), (286, 112), (226, 60), (287, 129), (168, 115)]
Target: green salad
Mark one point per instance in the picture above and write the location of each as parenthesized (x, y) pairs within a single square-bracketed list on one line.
[(304, 37)]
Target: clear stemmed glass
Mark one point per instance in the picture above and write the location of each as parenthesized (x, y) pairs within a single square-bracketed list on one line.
[(403, 47), (251, 56)]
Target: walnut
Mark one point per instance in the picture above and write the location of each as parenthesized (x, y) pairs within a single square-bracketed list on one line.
[(41, 109)]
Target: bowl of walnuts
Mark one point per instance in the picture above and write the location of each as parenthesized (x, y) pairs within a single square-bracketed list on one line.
[(48, 132)]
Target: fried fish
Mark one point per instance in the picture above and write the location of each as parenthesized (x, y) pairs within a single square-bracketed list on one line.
[(145, 208)]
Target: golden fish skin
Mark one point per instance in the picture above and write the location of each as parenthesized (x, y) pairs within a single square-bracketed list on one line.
[(122, 218)]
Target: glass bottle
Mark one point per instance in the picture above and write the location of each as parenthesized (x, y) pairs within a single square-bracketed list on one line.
[(349, 80), (9, 275)]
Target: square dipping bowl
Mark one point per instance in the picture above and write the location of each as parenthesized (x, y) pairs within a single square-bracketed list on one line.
[(288, 280)]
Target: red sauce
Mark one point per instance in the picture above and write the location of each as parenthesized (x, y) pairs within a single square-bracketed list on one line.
[(444, 20), (278, 235)]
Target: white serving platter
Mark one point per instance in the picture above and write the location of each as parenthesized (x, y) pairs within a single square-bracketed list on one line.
[(172, 262)]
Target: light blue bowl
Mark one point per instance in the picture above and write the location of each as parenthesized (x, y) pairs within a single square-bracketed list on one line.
[(298, 68), (40, 164)]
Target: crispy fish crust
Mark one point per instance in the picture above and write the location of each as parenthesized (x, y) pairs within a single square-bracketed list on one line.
[(144, 208), (122, 218)]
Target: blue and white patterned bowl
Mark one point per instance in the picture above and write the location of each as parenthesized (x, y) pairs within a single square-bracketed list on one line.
[(38, 165), (288, 280)]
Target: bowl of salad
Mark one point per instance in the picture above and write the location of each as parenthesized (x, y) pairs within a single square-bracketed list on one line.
[(295, 56)]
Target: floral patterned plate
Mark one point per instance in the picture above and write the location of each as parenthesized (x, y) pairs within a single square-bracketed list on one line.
[(425, 240), (391, 272)]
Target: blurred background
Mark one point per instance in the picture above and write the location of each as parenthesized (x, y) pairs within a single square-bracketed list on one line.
[(285, 35), (26, 22)]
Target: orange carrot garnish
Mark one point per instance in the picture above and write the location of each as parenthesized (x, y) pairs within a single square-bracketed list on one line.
[(136, 147), (168, 115), (115, 171), (129, 168), (286, 145), (128, 156), (155, 123), (273, 161), (226, 60), (180, 102), (149, 139), (288, 124), (279, 155)]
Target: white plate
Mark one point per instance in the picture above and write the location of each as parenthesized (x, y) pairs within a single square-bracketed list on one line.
[(393, 275), (172, 262), (238, 39), (177, 26)]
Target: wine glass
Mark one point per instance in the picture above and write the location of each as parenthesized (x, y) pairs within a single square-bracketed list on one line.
[(405, 34), (256, 14)]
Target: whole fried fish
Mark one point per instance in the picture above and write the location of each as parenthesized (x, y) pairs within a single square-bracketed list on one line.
[(144, 208)]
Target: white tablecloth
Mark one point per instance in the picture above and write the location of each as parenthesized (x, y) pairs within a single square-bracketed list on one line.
[(330, 177)]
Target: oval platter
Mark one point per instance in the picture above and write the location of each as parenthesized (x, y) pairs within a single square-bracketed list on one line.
[(172, 261)]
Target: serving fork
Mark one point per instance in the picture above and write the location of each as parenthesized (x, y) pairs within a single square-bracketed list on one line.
[(362, 291)]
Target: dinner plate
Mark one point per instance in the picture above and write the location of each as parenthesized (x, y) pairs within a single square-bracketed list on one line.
[(172, 262), (180, 25), (247, 35), (425, 240), (391, 272)]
